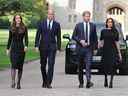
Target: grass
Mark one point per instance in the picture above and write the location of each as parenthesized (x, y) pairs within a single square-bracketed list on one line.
[(30, 54)]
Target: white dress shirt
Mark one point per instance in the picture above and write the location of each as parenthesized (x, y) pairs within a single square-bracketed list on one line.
[(51, 23)]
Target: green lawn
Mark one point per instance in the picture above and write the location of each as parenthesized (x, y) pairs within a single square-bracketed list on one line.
[(30, 54)]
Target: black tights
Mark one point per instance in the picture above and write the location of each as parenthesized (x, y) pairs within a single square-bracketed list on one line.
[(19, 75), (111, 81)]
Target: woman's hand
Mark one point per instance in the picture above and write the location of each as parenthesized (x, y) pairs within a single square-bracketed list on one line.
[(25, 49), (7, 52)]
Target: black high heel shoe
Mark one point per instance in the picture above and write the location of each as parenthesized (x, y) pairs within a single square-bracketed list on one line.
[(111, 85), (18, 86), (13, 85), (106, 83)]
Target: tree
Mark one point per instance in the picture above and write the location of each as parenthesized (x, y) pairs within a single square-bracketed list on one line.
[(31, 10), (13, 6), (40, 8)]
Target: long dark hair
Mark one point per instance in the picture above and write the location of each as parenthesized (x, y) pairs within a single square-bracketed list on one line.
[(21, 27), (113, 28)]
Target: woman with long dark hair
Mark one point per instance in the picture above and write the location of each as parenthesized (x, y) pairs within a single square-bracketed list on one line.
[(109, 40), (16, 48)]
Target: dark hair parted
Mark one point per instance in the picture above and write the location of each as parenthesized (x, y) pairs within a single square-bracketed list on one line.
[(114, 30), (86, 12), (22, 26)]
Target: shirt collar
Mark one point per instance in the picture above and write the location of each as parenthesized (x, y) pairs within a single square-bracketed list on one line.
[(49, 20), (86, 22)]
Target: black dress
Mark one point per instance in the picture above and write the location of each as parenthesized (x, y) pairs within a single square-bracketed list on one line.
[(109, 50), (16, 42)]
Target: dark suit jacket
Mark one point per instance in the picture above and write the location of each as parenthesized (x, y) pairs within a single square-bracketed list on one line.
[(78, 34), (48, 39)]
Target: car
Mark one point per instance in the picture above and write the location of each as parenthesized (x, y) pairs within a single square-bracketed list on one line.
[(71, 56)]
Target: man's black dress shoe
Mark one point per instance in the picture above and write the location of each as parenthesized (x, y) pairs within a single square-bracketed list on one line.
[(89, 84), (81, 86), (49, 86)]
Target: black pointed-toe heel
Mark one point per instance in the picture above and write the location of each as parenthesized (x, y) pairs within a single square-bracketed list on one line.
[(18, 86), (106, 83), (44, 85), (13, 85), (111, 85)]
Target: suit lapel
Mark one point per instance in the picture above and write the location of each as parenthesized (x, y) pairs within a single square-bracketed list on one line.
[(53, 25), (82, 28), (45, 25), (82, 24), (90, 32), (90, 27)]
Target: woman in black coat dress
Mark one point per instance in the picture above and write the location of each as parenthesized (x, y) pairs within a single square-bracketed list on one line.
[(16, 48), (111, 49)]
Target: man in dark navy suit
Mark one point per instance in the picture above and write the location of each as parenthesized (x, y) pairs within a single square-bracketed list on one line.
[(86, 38), (47, 41)]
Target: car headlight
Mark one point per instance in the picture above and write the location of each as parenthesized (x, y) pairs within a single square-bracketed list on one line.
[(122, 47)]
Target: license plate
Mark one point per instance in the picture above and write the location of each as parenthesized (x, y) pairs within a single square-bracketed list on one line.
[(96, 58)]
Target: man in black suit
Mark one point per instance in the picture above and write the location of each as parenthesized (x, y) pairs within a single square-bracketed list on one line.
[(47, 41), (85, 35)]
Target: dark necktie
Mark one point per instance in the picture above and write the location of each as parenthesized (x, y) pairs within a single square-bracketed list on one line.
[(49, 26), (86, 33)]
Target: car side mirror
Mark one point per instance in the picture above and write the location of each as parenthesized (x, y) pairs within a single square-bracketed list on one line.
[(126, 37), (66, 36)]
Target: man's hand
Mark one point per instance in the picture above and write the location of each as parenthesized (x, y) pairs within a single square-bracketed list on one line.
[(100, 44), (36, 49), (83, 43)]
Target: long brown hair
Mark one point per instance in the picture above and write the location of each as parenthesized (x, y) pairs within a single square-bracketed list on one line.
[(21, 27), (114, 30)]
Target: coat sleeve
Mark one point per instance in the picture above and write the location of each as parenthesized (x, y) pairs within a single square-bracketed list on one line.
[(101, 35), (26, 37), (9, 39), (76, 34), (95, 38), (59, 37), (38, 35)]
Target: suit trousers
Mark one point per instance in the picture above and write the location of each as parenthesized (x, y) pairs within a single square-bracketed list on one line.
[(85, 57), (47, 57)]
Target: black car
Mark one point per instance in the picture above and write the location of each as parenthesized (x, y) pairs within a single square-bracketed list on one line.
[(71, 57)]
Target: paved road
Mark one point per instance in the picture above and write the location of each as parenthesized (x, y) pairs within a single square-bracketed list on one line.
[(63, 85)]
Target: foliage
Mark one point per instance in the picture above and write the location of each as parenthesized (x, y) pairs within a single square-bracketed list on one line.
[(31, 11)]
